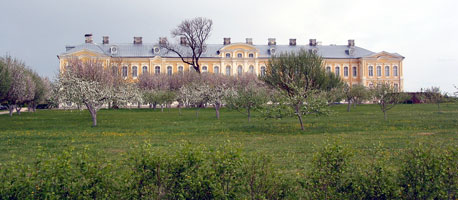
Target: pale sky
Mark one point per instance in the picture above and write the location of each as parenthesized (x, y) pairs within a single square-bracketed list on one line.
[(425, 32)]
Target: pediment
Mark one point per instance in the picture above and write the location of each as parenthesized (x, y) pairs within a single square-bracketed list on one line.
[(384, 55), (84, 53), (239, 46)]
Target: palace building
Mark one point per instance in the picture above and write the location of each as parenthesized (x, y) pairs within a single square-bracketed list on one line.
[(355, 65)]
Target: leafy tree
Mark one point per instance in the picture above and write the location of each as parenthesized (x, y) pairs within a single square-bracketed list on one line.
[(355, 94), (192, 35), (247, 98), (301, 79), (88, 82), (5, 80), (434, 95), (387, 97)]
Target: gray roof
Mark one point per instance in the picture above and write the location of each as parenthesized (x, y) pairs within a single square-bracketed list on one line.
[(146, 50)]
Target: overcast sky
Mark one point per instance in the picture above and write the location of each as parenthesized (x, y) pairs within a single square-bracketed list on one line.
[(425, 32)]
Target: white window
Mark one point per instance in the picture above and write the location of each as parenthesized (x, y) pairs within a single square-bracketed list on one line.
[(354, 72), (251, 55), (228, 70), (371, 71), (216, 70), (337, 71), (134, 72), (124, 71), (387, 70), (204, 69), (239, 55), (379, 71), (228, 55), (180, 69), (251, 69), (239, 70), (396, 87), (395, 71), (144, 69), (346, 71), (157, 70), (169, 70), (328, 69), (263, 71)]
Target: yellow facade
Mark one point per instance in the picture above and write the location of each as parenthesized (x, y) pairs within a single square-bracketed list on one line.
[(242, 58)]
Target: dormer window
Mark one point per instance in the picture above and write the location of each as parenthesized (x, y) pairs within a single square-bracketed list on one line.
[(272, 51), (228, 55), (239, 55), (156, 50), (114, 50)]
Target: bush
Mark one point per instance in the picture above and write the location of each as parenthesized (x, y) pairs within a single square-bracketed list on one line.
[(427, 173)]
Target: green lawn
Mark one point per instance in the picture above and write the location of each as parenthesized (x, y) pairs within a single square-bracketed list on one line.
[(363, 129)]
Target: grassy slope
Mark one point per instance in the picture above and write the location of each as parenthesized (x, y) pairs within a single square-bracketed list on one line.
[(361, 129)]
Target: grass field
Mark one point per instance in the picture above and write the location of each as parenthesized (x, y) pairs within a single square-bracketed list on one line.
[(362, 130)]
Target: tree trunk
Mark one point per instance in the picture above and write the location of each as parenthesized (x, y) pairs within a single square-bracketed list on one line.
[(349, 106), (217, 110), (93, 112), (11, 109), (18, 110), (384, 114), (139, 105), (154, 106), (249, 114), (299, 116), (438, 107), (109, 105), (162, 107), (197, 112), (150, 106)]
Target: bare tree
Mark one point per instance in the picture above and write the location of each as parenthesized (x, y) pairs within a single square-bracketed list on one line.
[(387, 97), (192, 35), (434, 95)]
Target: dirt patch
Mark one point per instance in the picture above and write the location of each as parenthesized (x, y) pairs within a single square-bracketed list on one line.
[(426, 133)]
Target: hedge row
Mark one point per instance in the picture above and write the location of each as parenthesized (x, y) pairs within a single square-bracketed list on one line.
[(198, 172)]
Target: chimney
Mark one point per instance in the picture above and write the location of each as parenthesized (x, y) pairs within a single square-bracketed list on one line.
[(249, 41), (162, 41), (106, 40), (292, 42), (183, 41), (312, 42), (271, 41), (227, 41), (138, 40), (88, 38), (351, 43)]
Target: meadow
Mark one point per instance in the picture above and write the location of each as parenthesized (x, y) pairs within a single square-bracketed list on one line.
[(363, 130)]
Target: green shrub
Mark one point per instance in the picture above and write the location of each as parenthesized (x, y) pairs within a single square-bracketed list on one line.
[(326, 178), (428, 173)]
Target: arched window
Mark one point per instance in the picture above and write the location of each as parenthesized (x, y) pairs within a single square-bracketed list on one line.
[(328, 69), (228, 55), (337, 71), (263, 71), (395, 71), (346, 71), (239, 55), (228, 70), (216, 70), (204, 69), (169, 70), (387, 70), (144, 69), (396, 87), (124, 71), (134, 72), (114, 70), (251, 69), (157, 70), (180, 69), (251, 55), (354, 72), (371, 71), (239, 70), (379, 71)]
